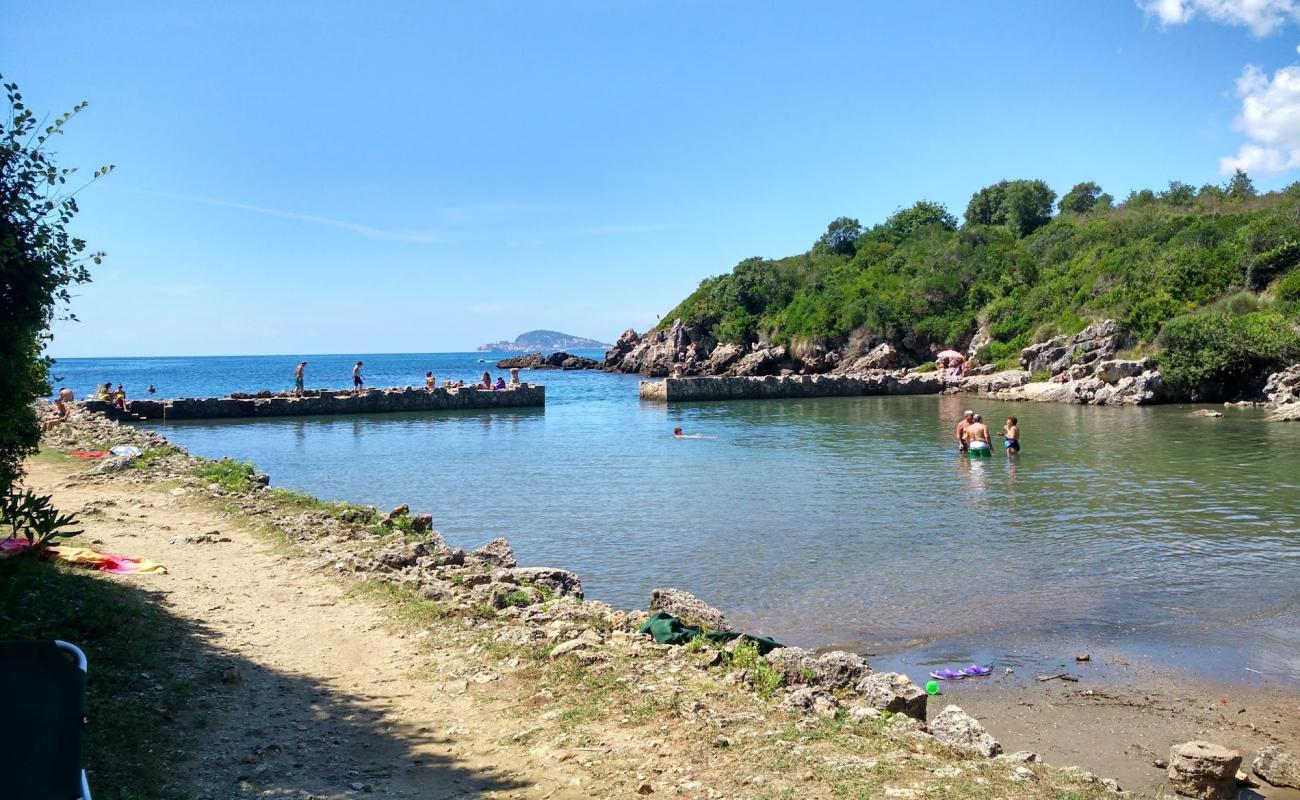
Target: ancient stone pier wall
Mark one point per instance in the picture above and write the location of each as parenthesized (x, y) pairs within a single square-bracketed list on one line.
[(325, 402), (685, 390)]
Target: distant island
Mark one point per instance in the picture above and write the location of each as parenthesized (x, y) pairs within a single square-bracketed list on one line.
[(535, 341)]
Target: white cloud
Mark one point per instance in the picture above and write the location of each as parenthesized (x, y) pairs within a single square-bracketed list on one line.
[(1261, 16), (1270, 119)]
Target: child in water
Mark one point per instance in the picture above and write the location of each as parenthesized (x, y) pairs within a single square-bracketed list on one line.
[(1011, 436)]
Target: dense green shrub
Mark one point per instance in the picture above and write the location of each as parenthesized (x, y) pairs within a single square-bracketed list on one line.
[(1212, 357), (917, 280)]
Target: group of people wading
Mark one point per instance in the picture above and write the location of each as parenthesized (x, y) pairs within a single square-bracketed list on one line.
[(973, 436)]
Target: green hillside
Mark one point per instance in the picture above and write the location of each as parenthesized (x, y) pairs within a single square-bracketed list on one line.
[(1206, 277)]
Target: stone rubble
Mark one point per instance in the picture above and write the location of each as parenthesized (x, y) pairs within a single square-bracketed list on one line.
[(1203, 771)]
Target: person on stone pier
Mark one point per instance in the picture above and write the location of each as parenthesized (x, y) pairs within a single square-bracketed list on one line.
[(119, 398), (103, 392), (298, 377), (486, 383), (500, 384), (430, 382), (967, 418), (358, 382)]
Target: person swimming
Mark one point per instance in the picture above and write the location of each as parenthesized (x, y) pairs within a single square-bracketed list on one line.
[(677, 433)]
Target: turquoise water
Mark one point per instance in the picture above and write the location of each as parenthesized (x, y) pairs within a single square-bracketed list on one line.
[(1142, 532)]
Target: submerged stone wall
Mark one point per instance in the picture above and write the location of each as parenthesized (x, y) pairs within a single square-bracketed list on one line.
[(685, 390), (324, 402)]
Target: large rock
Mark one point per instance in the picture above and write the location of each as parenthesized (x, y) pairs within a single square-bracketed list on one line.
[(688, 608), (1096, 343), (1283, 388), (496, 553), (558, 581), (400, 554), (557, 360), (1277, 767), (810, 700), (890, 691), (1203, 770), (1116, 370), (658, 353), (956, 728), (762, 360), (882, 356), (834, 670)]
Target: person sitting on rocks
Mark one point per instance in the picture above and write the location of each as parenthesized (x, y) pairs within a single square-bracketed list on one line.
[(119, 398), (486, 382), (430, 382), (59, 414), (500, 384), (65, 394), (103, 392)]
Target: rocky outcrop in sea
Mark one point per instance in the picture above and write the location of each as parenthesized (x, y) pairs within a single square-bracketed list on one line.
[(556, 360)]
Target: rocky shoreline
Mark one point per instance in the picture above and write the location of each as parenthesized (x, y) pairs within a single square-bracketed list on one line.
[(542, 610), (1082, 369)]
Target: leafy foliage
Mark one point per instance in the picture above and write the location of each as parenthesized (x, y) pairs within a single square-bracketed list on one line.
[(39, 260), (917, 280), (233, 476), (34, 517), (1213, 356)]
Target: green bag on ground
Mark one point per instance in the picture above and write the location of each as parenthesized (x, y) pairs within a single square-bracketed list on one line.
[(667, 629)]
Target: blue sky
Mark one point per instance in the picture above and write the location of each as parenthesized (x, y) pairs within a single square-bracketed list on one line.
[(332, 177)]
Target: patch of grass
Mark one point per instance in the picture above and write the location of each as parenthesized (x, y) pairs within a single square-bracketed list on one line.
[(233, 476), (132, 749), (407, 607), (153, 455), (1041, 376), (517, 598)]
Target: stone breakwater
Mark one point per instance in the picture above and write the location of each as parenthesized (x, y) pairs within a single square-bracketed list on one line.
[(771, 387), (325, 402)]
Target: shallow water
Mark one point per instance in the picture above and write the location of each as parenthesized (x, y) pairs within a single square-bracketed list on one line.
[(846, 521)]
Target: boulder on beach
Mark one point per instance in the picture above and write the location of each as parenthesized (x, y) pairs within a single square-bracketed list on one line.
[(890, 691), (688, 608), (1203, 770), (956, 728), (496, 553), (1277, 767)]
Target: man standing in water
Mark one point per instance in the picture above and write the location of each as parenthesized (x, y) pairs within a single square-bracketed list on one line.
[(357, 381), (966, 419), (297, 377)]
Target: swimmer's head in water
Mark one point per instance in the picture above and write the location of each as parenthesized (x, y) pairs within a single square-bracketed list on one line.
[(677, 431)]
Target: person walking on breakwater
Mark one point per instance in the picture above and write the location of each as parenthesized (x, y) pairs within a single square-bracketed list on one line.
[(430, 382), (977, 438), (358, 382), (298, 377), (1011, 436), (967, 417)]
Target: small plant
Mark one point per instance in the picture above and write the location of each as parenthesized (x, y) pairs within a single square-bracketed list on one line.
[(517, 598), (1041, 376), (35, 518), (928, 366), (766, 677), (153, 455), (233, 476)]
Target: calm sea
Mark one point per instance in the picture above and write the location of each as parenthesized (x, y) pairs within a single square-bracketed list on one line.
[(1140, 532)]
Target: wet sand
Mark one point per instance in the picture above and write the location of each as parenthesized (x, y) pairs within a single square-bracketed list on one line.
[(1121, 717)]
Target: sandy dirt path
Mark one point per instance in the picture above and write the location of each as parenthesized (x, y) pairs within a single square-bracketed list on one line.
[(314, 695)]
